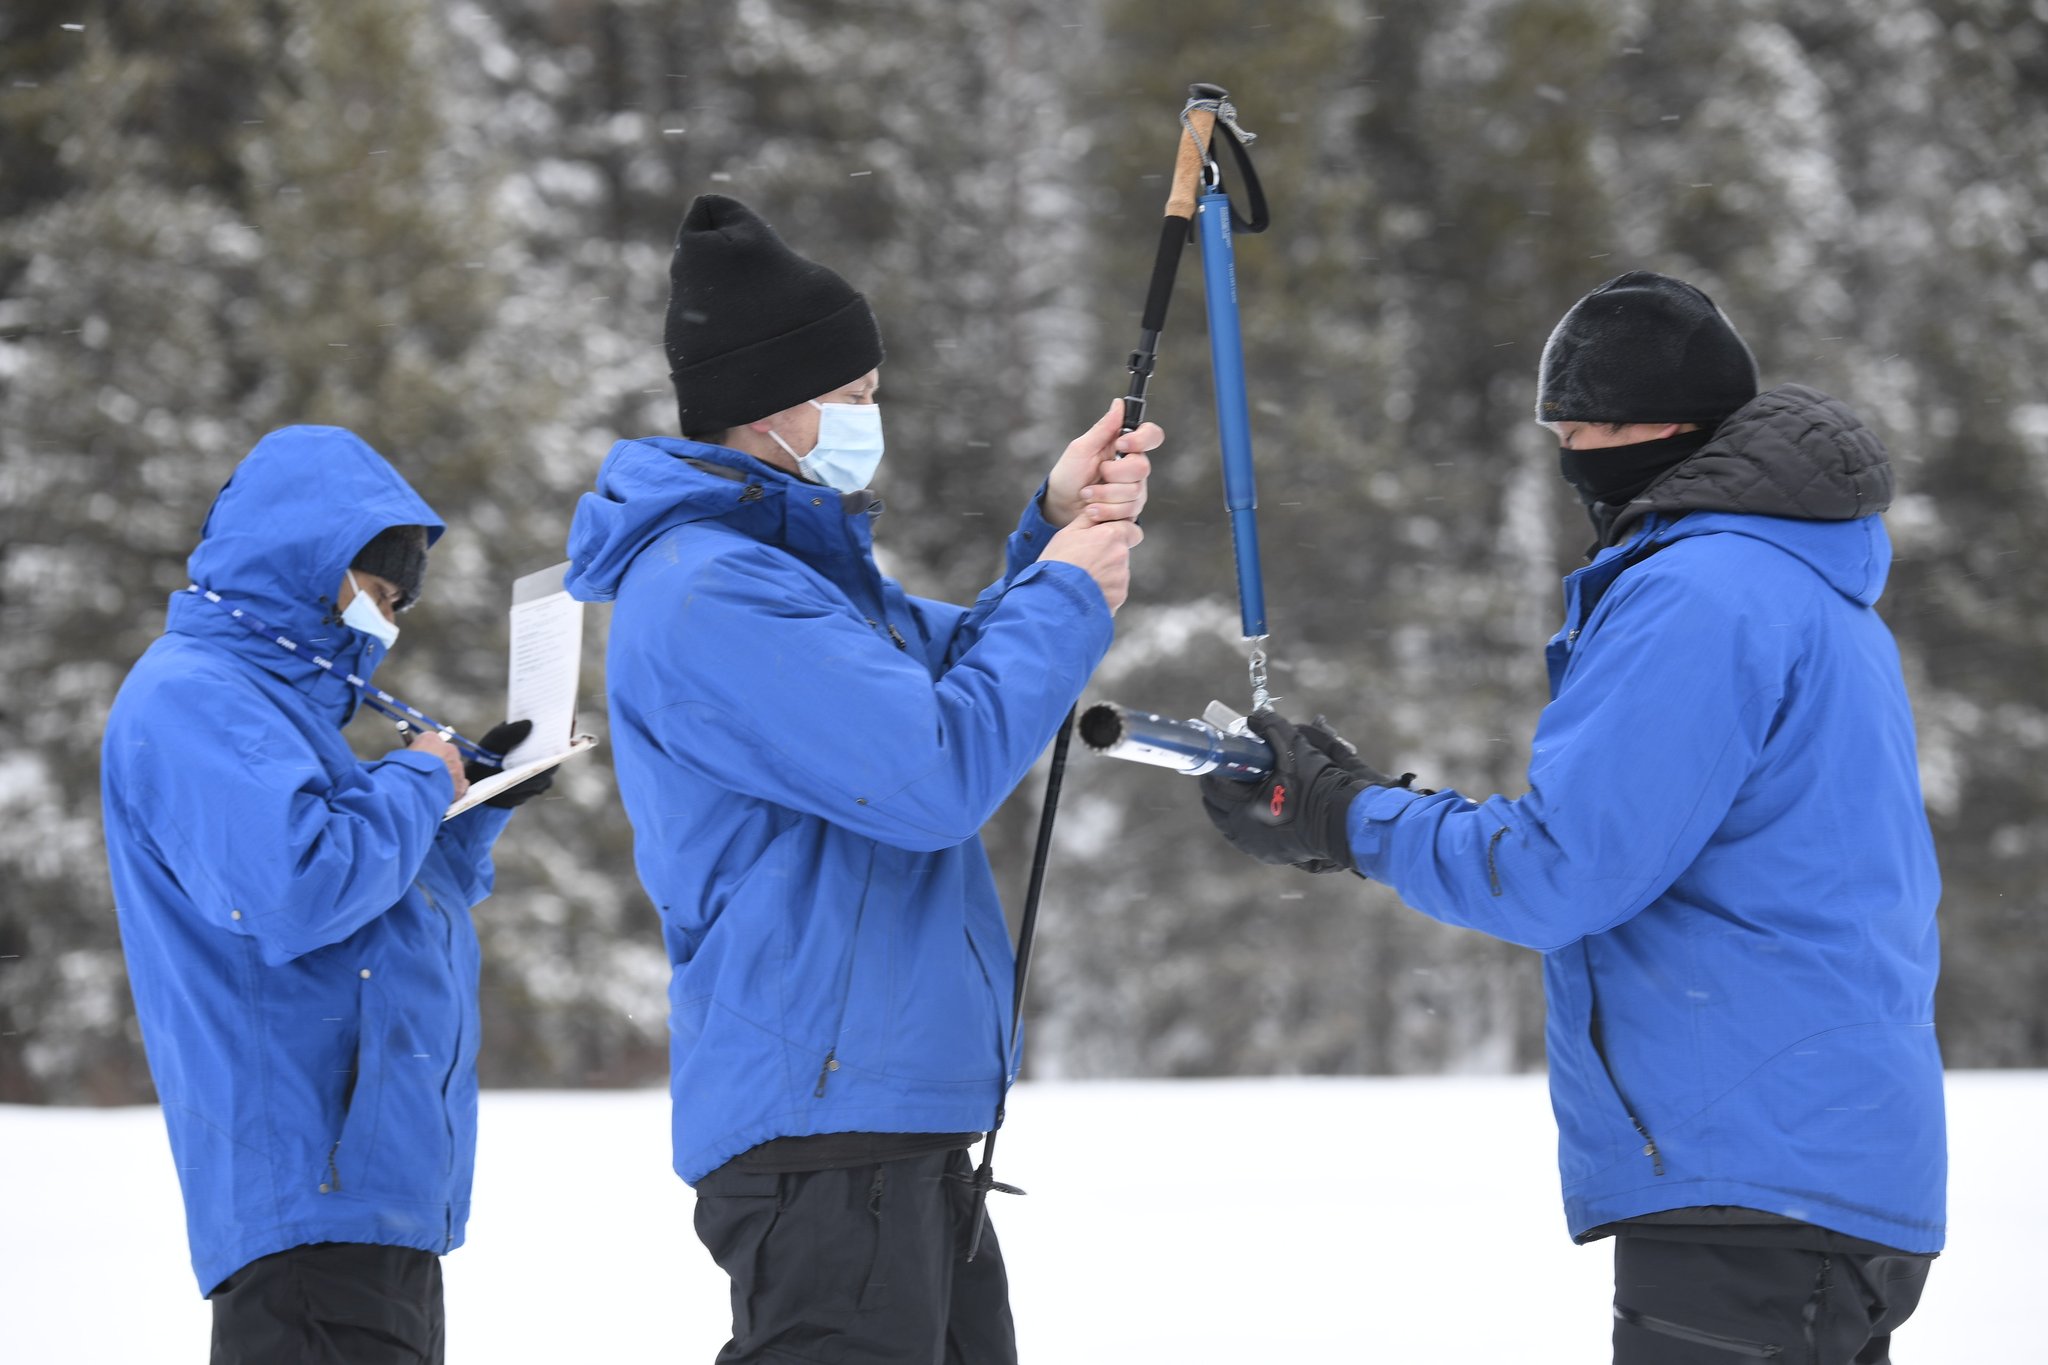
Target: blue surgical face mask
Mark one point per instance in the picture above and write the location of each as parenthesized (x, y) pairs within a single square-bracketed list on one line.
[(849, 447), (361, 614)]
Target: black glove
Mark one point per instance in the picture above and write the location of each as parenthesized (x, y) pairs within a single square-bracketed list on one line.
[(1344, 754), (1299, 814), (502, 739)]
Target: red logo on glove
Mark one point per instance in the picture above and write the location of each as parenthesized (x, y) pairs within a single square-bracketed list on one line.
[(1279, 806)]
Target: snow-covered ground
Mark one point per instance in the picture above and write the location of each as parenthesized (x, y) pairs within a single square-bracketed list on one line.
[(1184, 1222)]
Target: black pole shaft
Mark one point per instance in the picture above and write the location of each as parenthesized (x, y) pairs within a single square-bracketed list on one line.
[(1041, 856), (1027, 933), (1173, 235), (1027, 930)]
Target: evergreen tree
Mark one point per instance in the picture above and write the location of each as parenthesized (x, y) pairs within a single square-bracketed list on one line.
[(448, 227)]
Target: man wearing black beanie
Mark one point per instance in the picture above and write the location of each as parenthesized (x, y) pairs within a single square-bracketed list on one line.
[(1641, 370), (807, 754), (1723, 854)]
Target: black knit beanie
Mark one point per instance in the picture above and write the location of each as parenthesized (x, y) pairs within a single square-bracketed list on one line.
[(1644, 347), (397, 554), (754, 328)]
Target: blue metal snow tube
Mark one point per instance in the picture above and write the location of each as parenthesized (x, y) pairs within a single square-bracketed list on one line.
[(1233, 412)]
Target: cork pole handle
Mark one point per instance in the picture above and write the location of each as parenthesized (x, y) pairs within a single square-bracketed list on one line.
[(1187, 166)]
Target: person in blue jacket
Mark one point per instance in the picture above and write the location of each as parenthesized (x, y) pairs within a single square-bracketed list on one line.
[(807, 754), (296, 921), (1723, 853)]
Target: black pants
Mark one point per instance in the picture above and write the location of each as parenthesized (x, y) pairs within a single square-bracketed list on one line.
[(864, 1266), (1701, 1303), (332, 1303)]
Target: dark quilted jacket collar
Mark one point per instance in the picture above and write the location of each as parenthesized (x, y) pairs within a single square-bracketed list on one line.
[(1789, 452)]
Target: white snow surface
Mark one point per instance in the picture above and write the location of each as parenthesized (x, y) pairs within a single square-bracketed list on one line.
[(1174, 1221)]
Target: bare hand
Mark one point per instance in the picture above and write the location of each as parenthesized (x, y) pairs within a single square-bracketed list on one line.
[(427, 742), (1091, 484), (1103, 549)]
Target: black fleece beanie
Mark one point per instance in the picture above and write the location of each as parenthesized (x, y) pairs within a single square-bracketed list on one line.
[(754, 328), (398, 555), (1644, 347)]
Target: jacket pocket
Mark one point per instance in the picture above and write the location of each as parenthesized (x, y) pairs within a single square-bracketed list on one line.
[(1655, 1157), (849, 981), (1596, 1127), (458, 1078), (1003, 1002), (348, 1150), (330, 1179)]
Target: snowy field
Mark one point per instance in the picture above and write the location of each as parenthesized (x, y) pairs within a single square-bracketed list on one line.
[(1184, 1222)]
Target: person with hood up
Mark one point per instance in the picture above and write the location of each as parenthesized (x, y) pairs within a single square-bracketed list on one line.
[(807, 754), (296, 921), (1723, 853)]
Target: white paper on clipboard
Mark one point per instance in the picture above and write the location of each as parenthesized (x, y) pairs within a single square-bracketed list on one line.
[(546, 660)]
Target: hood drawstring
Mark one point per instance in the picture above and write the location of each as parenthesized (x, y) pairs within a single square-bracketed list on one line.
[(374, 697)]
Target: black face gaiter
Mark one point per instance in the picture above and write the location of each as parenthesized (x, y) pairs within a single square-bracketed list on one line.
[(1616, 474)]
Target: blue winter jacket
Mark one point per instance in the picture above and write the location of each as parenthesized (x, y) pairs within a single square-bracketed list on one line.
[(1723, 855), (295, 920), (807, 756)]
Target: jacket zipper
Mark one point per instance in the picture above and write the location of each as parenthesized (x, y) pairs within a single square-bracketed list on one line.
[(1649, 1143), (454, 1063), (831, 1062), (872, 581), (454, 1059), (348, 1101)]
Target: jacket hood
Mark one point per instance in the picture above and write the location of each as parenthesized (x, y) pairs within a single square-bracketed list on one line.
[(1789, 452), (1804, 474), (650, 486), (278, 541)]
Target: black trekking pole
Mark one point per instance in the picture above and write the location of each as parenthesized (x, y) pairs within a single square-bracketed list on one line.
[(1194, 172)]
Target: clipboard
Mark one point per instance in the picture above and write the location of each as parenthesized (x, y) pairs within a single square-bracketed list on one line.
[(541, 675), (511, 777)]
